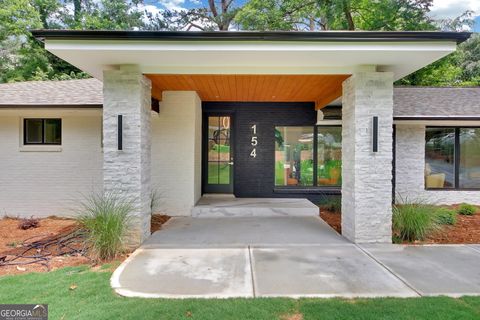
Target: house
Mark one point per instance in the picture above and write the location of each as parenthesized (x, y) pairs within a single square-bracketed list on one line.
[(253, 114)]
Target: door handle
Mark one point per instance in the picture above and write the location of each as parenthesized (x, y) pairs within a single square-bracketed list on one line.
[(231, 163)]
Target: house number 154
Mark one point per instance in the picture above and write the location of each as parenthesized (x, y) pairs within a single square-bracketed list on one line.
[(254, 141)]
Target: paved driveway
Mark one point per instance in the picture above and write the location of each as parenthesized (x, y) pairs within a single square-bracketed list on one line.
[(290, 257)]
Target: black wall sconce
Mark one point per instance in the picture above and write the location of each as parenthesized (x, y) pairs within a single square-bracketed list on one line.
[(120, 132), (375, 134)]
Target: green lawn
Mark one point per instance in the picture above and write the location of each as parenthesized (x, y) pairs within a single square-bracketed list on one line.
[(93, 299)]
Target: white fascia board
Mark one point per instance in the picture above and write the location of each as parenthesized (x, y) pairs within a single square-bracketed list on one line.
[(250, 57), (195, 46)]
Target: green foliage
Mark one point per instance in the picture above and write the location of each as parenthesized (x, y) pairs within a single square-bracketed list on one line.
[(279, 173), (22, 58), (333, 204), (105, 220), (470, 61), (280, 15), (94, 299), (414, 221), (467, 209), (306, 172), (446, 216), (335, 15), (444, 72)]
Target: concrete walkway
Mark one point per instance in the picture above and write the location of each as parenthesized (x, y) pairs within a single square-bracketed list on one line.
[(288, 257), (218, 206)]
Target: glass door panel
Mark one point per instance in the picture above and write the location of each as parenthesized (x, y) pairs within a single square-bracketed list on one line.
[(219, 169)]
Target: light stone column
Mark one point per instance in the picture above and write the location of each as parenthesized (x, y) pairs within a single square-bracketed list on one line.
[(126, 173), (367, 175)]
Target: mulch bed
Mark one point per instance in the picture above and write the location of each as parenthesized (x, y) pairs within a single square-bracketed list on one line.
[(466, 230), (44, 248), (334, 219), (50, 246), (157, 221)]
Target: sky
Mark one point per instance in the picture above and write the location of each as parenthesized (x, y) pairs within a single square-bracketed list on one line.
[(440, 9)]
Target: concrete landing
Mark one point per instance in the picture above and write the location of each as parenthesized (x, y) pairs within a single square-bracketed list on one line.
[(187, 232), (216, 206)]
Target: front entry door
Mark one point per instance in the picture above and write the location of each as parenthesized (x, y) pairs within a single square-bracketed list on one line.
[(218, 156)]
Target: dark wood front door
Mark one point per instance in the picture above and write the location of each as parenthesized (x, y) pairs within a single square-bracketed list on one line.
[(218, 153)]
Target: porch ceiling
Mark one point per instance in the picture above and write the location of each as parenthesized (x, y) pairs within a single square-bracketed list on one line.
[(321, 89)]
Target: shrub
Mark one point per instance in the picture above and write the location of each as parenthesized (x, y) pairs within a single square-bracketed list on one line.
[(467, 209), (446, 216), (104, 218), (333, 204), (414, 221)]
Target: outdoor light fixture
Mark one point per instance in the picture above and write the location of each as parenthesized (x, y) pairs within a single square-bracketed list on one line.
[(120, 132), (375, 134)]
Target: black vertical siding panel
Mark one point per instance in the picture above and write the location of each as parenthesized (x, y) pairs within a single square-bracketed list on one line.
[(254, 177)]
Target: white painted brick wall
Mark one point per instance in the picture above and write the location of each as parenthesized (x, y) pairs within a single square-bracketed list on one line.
[(410, 166), (176, 152), (127, 172), (366, 182), (52, 183), (49, 183)]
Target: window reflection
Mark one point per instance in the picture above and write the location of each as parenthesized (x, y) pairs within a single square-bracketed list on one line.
[(329, 156), (469, 169), (294, 156), (439, 158), (219, 157)]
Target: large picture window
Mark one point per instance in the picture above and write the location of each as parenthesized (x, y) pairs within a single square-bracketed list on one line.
[(308, 156), (294, 156), (42, 131), (452, 158)]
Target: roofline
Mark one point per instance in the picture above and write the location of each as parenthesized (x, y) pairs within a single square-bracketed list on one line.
[(330, 36)]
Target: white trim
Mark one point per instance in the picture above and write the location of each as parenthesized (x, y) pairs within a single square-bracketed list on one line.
[(195, 46), (249, 57), (40, 148)]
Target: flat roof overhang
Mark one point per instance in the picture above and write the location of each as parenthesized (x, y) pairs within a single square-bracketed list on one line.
[(250, 53), (327, 52)]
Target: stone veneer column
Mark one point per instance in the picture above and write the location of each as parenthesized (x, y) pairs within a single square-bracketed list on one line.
[(367, 175), (126, 172)]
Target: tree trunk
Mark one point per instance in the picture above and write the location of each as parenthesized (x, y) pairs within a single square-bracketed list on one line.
[(348, 15), (77, 10)]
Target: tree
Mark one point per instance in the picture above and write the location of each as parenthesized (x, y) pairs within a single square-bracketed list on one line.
[(336, 15), (470, 61), (215, 16), (297, 15), (24, 58), (16, 17)]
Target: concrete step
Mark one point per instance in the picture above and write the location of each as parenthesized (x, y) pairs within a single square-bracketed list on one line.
[(216, 206)]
